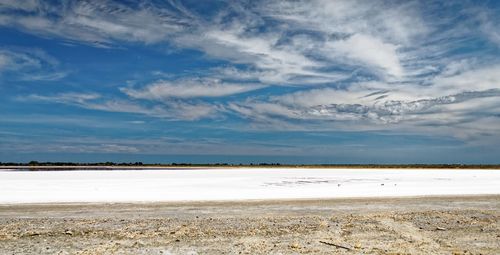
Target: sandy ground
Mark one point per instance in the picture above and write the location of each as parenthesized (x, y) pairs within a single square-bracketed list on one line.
[(425, 225)]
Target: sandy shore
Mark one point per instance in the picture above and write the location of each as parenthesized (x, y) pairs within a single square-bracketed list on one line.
[(425, 225)]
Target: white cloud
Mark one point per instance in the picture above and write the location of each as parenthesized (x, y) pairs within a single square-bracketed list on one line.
[(4, 60), (370, 51), (488, 25), (167, 110), (121, 22), (284, 43), (79, 98), (470, 80), (44, 76), (26, 5), (92, 148), (171, 110), (189, 88), (239, 40), (98, 23), (30, 64), (279, 64), (324, 96), (15, 61), (400, 23), (450, 102)]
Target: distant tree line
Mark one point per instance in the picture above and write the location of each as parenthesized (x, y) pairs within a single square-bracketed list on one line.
[(141, 164)]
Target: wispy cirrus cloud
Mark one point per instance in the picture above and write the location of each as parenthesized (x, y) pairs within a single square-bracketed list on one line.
[(488, 23), (291, 43), (28, 5), (369, 51), (30, 64), (240, 33), (189, 88), (95, 23), (451, 101), (172, 110)]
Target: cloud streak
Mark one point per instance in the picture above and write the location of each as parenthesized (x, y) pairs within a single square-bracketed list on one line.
[(96, 23), (30, 65), (171, 110), (189, 88)]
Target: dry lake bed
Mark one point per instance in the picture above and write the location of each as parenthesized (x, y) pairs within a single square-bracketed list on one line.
[(250, 211), (236, 184)]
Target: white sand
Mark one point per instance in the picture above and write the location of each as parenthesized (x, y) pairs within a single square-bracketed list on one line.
[(238, 184)]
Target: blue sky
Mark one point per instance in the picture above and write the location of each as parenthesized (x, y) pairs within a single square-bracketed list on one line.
[(250, 81)]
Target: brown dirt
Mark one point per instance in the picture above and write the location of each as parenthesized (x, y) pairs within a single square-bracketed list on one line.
[(439, 225)]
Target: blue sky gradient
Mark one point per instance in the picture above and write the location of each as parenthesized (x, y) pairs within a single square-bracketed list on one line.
[(250, 81)]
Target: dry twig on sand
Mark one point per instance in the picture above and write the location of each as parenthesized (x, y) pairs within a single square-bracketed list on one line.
[(335, 245)]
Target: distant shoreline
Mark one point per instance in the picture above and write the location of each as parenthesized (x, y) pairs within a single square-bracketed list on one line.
[(230, 166)]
